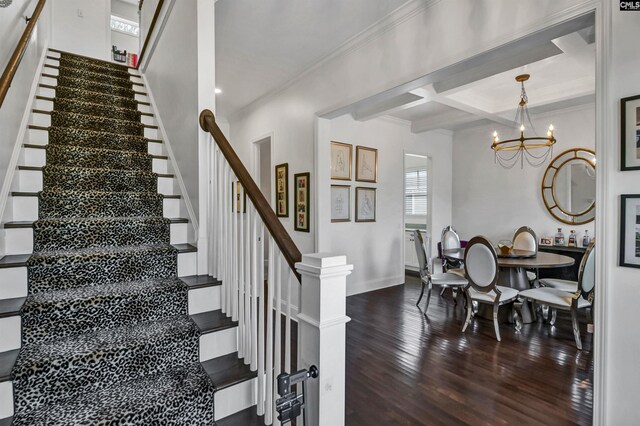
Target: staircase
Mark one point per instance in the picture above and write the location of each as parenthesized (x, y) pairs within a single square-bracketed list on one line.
[(104, 319)]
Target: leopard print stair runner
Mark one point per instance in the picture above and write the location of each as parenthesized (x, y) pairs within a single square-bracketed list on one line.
[(106, 336)]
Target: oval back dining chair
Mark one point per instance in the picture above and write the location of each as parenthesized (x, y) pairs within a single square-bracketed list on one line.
[(450, 240), (445, 280), (481, 266), (525, 239), (580, 298)]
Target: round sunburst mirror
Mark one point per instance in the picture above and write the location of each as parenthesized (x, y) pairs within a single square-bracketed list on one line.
[(569, 186)]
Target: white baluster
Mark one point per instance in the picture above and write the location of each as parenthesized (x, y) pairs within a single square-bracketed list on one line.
[(268, 415), (240, 297), (234, 250), (254, 289), (247, 285), (287, 328), (277, 345), (261, 318), (224, 240)]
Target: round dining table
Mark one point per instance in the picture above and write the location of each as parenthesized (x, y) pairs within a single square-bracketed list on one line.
[(513, 270)]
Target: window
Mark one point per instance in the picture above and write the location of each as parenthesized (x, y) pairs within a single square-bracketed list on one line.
[(125, 26), (415, 195)]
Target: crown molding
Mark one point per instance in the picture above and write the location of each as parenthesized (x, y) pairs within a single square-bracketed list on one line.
[(394, 120), (392, 20)]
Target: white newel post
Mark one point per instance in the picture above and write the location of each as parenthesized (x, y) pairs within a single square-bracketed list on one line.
[(322, 323)]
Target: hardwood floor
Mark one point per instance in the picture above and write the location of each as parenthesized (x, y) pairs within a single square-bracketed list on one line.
[(404, 368)]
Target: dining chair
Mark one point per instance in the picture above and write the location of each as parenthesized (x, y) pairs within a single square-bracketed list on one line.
[(525, 239), (428, 279), (450, 240), (581, 298), (481, 267)]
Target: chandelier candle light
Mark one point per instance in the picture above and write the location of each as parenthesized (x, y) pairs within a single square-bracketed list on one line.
[(512, 151)]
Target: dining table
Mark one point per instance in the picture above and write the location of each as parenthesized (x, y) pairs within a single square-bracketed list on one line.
[(513, 270)]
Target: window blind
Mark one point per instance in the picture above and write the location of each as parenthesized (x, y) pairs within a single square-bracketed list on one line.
[(415, 195)]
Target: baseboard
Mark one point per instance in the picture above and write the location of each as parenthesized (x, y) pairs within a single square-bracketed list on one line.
[(17, 148), (367, 286), (176, 170)]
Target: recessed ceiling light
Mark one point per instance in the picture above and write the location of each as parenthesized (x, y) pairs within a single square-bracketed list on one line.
[(218, 91)]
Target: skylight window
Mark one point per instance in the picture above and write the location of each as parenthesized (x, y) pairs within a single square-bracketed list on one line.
[(125, 26)]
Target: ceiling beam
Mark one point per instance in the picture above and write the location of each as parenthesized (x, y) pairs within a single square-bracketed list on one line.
[(404, 101)]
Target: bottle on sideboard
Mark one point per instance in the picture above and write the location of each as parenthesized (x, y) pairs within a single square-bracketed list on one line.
[(573, 239), (559, 240), (586, 239)]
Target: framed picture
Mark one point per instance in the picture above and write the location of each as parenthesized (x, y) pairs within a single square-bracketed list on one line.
[(301, 188), (630, 133), (366, 164), (340, 203), (341, 160), (546, 241), (282, 190), (630, 230), (365, 204), (239, 197)]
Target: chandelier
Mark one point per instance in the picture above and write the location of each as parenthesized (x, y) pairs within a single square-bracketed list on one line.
[(534, 149)]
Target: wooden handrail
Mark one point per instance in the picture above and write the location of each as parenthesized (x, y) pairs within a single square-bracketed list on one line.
[(152, 26), (18, 53), (280, 235)]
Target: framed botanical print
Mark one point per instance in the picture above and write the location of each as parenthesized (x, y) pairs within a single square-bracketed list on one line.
[(630, 133), (630, 230), (341, 160), (302, 193), (340, 203), (365, 204), (282, 190), (366, 164)]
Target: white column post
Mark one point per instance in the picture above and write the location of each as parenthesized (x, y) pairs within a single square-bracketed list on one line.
[(322, 323)]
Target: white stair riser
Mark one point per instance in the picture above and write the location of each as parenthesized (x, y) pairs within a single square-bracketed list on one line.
[(43, 105), (38, 119), (204, 299), (31, 181), (145, 119), (35, 157), (20, 240), (6, 400), (10, 338), (144, 108), (151, 133), (219, 343), (187, 264), (45, 91), (50, 81), (26, 208), (235, 398), (141, 98), (14, 282), (155, 148)]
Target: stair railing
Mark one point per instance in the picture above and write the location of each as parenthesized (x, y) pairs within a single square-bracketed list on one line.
[(14, 62), (237, 253)]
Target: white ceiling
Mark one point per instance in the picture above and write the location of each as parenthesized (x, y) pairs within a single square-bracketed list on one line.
[(261, 45)]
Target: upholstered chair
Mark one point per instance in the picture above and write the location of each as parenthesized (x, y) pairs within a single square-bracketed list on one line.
[(525, 239), (481, 267), (450, 240), (572, 301), (428, 279)]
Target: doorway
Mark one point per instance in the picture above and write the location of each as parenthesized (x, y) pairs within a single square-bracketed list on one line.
[(416, 206), (125, 32)]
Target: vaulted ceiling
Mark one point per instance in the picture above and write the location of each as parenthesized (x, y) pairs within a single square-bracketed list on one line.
[(260, 45)]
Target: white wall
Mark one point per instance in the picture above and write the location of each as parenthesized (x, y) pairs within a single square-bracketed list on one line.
[(622, 285), (89, 35), (376, 249), (172, 73), (146, 16), (492, 201), (17, 101)]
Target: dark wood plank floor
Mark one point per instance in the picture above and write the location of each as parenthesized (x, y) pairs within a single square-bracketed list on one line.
[(404, 368)]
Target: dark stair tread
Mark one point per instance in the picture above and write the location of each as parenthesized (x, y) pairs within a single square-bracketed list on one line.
[(29, 224), (185, 248), (200, 281), (6, 422), (211, 321), (11, 307), (18, 224), (227, 371), (35, 146), (247, 417), (14, 260), (35, 194), (88, 57), (7, 361)]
